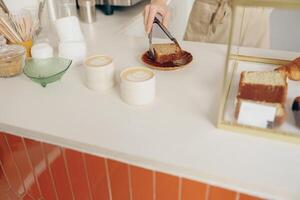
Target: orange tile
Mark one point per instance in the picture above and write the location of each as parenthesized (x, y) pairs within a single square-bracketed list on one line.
[(10, 168), (4, 186), (58, 171), (27, 197), (118, 174), (142, 183), (9, 195), (248, 197), (97, 176), (38, 161), (167, 187), (217, 193), (77, 174), (21, 158), (1, 152), (192, 190)]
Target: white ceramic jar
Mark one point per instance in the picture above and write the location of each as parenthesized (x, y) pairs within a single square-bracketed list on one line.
[(137, 85), (99, 72)]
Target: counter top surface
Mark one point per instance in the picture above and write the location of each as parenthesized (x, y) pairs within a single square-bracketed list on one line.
[(174, 134)]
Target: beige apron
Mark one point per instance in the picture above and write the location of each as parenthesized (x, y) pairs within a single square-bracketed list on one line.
[(210, 22)]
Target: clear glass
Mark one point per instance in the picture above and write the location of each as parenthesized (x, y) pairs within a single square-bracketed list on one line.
[(263, 41), (67, 8), (12, 60)]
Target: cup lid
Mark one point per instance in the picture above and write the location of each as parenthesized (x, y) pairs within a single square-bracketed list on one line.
[(11, 51), (137, 74), (98, 61)]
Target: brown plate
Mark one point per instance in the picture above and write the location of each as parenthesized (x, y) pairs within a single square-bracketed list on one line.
[(177, 64)]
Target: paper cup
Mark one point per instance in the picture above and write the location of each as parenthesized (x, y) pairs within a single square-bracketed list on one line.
[(99, 72), (137, 85), (75, 51), (68, 29)]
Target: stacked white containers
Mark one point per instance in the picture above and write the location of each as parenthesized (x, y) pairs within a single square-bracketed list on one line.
[(71, 40)]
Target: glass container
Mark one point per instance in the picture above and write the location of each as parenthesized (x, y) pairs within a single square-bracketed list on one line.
[(258, 88), (12, 60), (45, 71)]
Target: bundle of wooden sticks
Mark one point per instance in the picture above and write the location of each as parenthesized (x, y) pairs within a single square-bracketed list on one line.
[(3, 7), (18, 27)]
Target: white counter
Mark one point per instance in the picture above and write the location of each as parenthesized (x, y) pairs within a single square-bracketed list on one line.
[(175, 134)]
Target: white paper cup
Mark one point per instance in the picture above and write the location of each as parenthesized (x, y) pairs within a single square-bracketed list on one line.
[(137, 86), (99, 72), (75, 51), (42, 51), (68, 29)]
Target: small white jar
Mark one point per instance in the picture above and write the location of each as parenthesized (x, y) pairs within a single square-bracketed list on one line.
[(99, 72), (137, 85)]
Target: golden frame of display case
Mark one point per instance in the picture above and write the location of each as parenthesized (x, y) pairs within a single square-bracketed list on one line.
[(235, 55)]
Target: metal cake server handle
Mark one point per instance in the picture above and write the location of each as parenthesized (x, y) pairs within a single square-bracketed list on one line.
[(166, 31), (151, 50)]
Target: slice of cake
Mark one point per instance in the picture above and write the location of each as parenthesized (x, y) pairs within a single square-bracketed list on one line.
[(165, 53), (268, 88)]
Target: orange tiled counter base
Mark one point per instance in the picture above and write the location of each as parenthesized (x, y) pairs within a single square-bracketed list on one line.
[(31, 170)]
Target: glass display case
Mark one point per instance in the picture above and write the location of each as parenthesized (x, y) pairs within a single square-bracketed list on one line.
[(262, 72)]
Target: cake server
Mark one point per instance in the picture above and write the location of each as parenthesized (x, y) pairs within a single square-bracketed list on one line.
[(151, 51), (165, 30)]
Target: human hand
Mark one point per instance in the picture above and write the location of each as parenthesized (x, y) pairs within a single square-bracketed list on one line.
[(156, 7)]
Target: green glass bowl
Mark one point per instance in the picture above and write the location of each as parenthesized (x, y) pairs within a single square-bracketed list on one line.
[(45, 71)]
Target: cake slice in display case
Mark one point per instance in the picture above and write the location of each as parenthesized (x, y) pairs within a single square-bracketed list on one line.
[(261, 81)]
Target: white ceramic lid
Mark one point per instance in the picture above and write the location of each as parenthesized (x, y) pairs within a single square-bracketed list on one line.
[(98, 61)]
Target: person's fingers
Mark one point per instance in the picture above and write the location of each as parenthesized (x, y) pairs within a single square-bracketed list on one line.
[(166, 19), (152, 13)]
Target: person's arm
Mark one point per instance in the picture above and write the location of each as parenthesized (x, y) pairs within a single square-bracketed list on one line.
[(156, 7)]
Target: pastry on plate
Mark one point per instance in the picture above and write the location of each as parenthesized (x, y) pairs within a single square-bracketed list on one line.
[(165, 53), (292, 69)]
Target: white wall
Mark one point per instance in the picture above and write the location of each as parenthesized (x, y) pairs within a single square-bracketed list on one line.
[(15, 5), (180, 13), (285, 30)]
